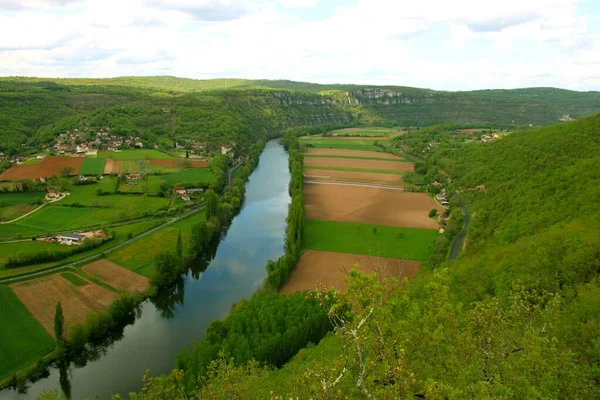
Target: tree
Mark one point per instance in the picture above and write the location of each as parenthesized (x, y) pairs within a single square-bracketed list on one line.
[(187, 154), (212, 203), (179, 246), (432, 213), (59, 325)]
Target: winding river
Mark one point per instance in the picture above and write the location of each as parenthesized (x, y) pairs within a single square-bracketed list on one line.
[(177, 319)]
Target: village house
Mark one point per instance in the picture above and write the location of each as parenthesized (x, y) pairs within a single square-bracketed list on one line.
[(39, 179), (53, 193), (195, 190), (179, 190), (135, 176), (40, 157)]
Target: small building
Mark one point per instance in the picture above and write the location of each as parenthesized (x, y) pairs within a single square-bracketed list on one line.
[(40, 157), (226, 150), (135, 176), (179, 190), (195, 190), (441, 196), (39, 179), (445, 202), (53, 193), (71, 238)]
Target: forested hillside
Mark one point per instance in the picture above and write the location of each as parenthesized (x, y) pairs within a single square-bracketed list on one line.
[(34, 110), (517, 315)]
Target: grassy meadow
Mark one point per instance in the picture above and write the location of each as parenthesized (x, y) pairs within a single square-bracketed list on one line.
[(306, 155), (327, 143), (11, 199), (22, 341), (375, 240), (92, 166)]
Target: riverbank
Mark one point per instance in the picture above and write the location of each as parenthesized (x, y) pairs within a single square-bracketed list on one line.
[(118, 311), (233, 271)]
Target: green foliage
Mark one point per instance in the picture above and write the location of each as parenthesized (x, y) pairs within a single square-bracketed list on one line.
[(48, 255), (59, 325), (432, 212), (368, 239), (212, 203), (23, 340), (268, 328)]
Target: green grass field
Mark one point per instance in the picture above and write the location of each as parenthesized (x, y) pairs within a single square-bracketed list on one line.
[(139, 255), (367, 131), (30, 246), (378, 171), (92, 166), (17, 230), (22, 341), (110, 209), (348, 237), (11, 199), (74, 279), (326, 143), (188, 175), (354, 157), (141, 154)]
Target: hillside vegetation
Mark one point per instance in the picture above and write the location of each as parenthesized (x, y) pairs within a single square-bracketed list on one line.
[(517, 315), (35, 110)]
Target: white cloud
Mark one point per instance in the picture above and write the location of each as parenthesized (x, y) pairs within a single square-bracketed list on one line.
[(464, 44)]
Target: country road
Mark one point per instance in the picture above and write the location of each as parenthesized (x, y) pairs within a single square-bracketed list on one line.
[(354, 184), (105, 252), (458, 240)]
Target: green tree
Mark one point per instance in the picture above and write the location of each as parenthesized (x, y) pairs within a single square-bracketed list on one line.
[(212, 203), (59, 325), (179, 246)]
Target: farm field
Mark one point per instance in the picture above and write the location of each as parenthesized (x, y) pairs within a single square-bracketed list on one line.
[(41, 295), (11, 199), (329, 269), (133, 186), (368, 239), (50, 166), (22, 341), (306, 155), (139, 255), (358, 164), (141, 154), (74, 278), (122, 234), (375, 171), (92, 166), (180, 163), (189, 175), (29, 246), (117, 276), (366, 131), (349, 153), (352, 176), (16, 230), (370, 137), (105, 210), (87, 194), (12, 212), (369, 205), (336, 143)]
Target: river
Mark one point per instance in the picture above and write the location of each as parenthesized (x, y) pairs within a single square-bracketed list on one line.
[(159, 333)]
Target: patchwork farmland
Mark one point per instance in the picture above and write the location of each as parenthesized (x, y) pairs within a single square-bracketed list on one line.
[(358, 213)]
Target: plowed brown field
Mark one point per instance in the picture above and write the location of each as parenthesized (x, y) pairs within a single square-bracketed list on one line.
[(350, 176), (179, 163), (111, 166), (351, 153), (329, 269), (41, 295), (50, 166), (356, 163), (117, 276), (371, 205)]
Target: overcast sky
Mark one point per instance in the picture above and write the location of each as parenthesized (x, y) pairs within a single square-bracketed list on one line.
[(439, 44)]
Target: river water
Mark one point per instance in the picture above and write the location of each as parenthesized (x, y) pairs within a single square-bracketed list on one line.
[(162, 329)]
